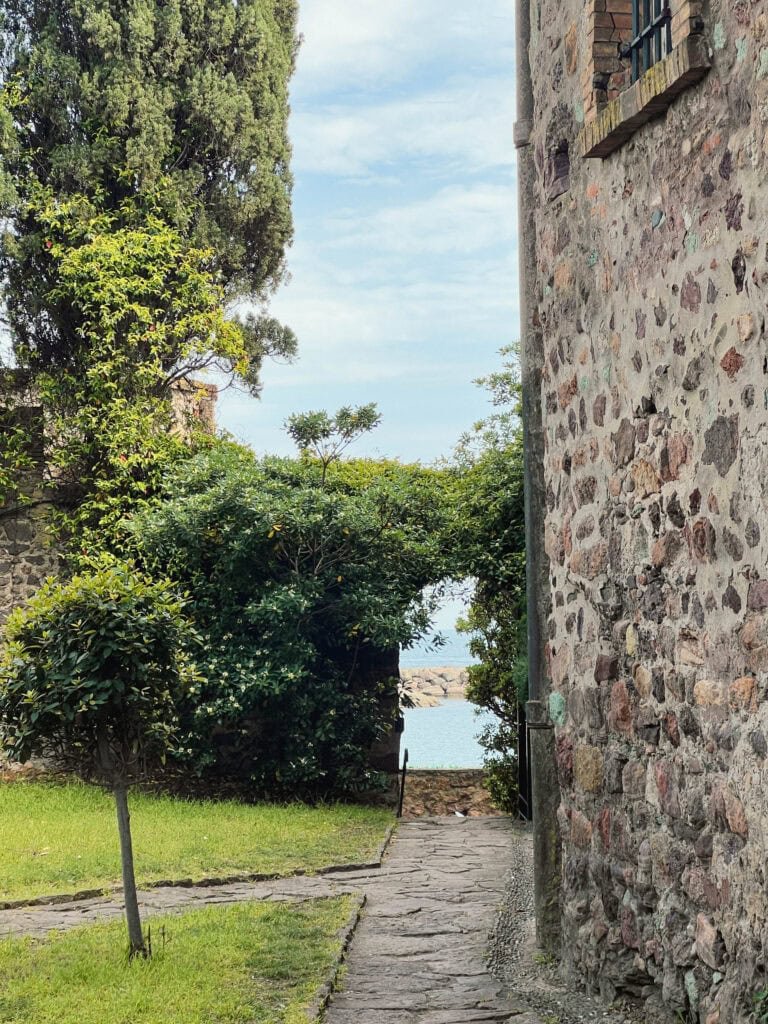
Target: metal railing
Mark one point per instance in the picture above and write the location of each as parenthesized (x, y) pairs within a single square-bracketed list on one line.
[(651, 35)]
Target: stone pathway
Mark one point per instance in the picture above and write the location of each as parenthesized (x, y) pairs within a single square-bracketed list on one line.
[(420, 954)]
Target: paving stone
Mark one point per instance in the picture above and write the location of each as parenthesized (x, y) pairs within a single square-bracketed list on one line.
[(419, 953), (422, 943)]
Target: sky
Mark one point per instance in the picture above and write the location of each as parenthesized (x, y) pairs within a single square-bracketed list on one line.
[(403, 273)]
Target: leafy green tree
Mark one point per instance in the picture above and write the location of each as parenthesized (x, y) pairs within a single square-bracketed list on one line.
[(303, 590), (91, 677), (325, 438), (148, 310), (174, 109), (490, 546)]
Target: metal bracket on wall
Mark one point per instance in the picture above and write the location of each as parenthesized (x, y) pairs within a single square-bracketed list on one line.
[(537, 715), (521, 133)]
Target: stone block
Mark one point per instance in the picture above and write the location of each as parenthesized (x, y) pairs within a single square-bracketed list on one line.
[(709, 943), (757, 597), (667, 786), (588, 768), (633, 779), (620, 715), (742, 694), (709, 692), (606, 668)]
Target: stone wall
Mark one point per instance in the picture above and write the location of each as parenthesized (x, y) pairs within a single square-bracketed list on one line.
[(27, 555), (651, 295), (447, 791)]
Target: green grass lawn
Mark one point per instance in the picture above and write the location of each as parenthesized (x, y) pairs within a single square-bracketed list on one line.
[(63, 838), (246, 964)]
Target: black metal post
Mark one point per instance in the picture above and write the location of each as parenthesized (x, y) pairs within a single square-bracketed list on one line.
[(524, 801), (402, 784), (635, 34), (647, 40)]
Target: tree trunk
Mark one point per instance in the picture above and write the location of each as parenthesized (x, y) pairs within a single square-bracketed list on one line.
[(135, 934)]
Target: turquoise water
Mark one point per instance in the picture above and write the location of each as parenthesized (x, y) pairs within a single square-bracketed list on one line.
[(445, 736), (453, 654)]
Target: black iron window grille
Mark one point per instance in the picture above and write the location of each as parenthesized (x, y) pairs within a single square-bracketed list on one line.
[(651, 35)]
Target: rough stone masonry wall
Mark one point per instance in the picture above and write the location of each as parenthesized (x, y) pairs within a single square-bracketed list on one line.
[(26, 556), (652, 287)]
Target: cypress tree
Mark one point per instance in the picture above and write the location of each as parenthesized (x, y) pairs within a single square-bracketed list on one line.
[(128, 109)]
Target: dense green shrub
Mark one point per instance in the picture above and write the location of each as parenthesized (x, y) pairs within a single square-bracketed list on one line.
[(101, 656), (304, 580)]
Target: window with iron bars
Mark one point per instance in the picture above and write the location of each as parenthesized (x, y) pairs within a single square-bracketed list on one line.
[(651, 35)]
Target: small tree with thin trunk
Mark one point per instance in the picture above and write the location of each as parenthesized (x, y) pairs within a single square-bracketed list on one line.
[(324, 437), (90, 678)]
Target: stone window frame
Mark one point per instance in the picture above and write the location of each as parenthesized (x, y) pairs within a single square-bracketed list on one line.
[(614, 106)]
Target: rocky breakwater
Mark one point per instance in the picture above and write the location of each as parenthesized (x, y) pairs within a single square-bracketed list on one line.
[(428, 687)]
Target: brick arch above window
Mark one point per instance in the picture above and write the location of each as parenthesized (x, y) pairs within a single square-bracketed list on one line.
[(620, 96)]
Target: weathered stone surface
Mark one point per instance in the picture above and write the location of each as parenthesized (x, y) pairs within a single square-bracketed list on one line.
[(445, 792), (645, 478), (663, 326), (588, 768), (721, 444), (709, 943), (757, 600), (606, 667), (624, 444), (707, 692), (742, 694)]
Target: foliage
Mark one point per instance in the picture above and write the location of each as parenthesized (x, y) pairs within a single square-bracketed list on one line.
[(490, 538), (92, 672), (325, 437), (17, 456), (91, 676), (252, 963), (167, 110), (59, 838), (760, 1005), (500, 764), (303, 589), (144, 189), (148, 313)]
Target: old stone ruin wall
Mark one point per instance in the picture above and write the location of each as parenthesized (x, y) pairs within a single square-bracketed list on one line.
[(27, 553), (651, 296)]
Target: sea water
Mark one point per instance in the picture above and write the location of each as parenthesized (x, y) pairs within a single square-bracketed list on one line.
[(444, 736)]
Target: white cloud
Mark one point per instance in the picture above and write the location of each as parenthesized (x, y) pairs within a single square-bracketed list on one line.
[(459, 219), (351, 44), (423, 328), (463, 126)]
